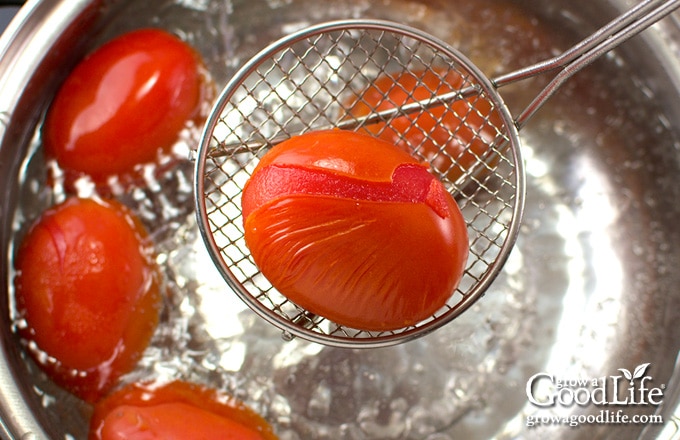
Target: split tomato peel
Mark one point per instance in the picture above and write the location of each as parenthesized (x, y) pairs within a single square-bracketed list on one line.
[(355, 230)]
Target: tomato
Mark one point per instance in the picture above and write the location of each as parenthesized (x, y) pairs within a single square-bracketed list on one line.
[(452, 140), (353, 229), (123, 104), (178, 410), (88, 292)]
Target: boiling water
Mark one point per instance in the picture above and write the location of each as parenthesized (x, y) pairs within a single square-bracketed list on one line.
[(465, 380)]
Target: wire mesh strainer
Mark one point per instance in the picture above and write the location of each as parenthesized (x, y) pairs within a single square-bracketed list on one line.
[(317, 78)]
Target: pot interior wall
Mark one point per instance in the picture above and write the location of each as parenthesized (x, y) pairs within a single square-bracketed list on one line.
[(590, 288)]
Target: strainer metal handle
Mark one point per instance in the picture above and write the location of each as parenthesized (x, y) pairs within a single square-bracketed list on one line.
[(584, 53)]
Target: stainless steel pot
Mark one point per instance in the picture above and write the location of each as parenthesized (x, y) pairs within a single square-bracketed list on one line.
[(590, 290)]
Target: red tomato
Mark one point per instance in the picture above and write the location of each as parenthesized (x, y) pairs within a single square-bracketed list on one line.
[(177, 410), (353, 229), (123, 104), (451, 140), (88, 292)]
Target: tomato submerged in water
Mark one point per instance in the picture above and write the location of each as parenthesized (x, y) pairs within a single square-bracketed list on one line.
[(88, 292), (353, 229), (123, 104), (452, 139), (178, 410)]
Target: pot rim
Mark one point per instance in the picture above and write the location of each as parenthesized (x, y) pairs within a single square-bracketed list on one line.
[(29, 37)]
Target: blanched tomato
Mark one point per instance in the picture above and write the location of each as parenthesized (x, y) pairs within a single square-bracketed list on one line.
[(353, 229), (123, 104), (452, 140), (88, 292), (177, 410)]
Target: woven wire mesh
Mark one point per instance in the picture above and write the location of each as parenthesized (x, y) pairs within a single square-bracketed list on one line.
[(326, 77)]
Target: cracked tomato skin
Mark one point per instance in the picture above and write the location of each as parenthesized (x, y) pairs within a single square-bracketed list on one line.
[(464, 131), (88, 292), (354, 229), (175, 411), (123, 103)]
